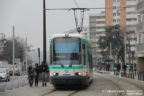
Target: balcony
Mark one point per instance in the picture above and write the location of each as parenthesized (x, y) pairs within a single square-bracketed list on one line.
[(140, 50), (140, 27), (140, 7)]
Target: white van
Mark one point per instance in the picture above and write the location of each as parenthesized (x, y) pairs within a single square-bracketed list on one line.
[(4, 74)]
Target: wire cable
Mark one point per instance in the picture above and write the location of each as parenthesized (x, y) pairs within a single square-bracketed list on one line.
[(76, 3)]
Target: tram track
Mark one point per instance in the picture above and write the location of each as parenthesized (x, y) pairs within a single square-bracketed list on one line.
[(71, 93), (118, 90), (138, 86), (46, 93)]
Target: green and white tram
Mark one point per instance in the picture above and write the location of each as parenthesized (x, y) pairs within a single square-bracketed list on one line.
[(70, 60)]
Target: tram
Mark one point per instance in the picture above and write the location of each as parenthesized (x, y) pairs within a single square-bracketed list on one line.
[(70, 60)]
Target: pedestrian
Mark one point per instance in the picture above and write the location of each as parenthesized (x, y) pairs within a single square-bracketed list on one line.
[(108, 67), (37, 71), (124, 68), (118, 68), (44, 69), (31, 75)]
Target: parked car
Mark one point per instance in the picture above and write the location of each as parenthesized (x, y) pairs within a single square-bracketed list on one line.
[(11, 71), (17, 72), (4, 74)]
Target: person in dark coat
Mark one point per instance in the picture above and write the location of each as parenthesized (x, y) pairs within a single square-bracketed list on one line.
[(37, 71), (118, 68), (109, 67), (44, 69), (124, 68), (31, 75)]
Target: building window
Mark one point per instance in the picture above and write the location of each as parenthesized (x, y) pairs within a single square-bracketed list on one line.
[(129, 13), (114, 20), (131, 19), (114, 14), (114, 7), (118, 20), (139, 38)]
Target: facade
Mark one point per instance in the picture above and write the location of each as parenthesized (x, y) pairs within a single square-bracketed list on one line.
[(97, 29), (123, 13), (140, 36)]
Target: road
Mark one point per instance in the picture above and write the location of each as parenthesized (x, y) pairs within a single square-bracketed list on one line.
[(103, 85)]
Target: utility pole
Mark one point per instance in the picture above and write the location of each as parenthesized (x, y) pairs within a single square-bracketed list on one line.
[(110, 49), (44, 32), (129, 49), (39, 55), (13, 49), (26, 56), (125, 49)]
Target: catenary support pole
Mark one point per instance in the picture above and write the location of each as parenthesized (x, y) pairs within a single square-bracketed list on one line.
[(13, 50), (44, 32)]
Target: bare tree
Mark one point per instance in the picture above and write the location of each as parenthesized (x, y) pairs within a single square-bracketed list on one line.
[(7, 50)]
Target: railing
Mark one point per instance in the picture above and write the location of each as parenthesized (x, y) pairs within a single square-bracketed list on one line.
[(16, 83), (140, 47), (140, 5)]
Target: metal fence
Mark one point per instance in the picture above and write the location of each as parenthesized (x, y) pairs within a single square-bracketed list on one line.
[(19, 82)]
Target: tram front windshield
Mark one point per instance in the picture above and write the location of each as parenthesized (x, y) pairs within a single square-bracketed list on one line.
[(66, 51)]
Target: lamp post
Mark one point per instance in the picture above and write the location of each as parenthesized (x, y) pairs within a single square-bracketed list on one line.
[(44, 32)]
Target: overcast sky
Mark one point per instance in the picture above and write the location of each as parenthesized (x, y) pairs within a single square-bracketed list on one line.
[(26, 15)]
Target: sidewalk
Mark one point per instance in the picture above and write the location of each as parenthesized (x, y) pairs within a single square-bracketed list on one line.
[(135, 79), (28, 91)]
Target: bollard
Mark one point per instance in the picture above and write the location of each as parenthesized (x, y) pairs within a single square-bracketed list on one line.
[(22, 82), (9, 86), (12, 84), (2, 87)]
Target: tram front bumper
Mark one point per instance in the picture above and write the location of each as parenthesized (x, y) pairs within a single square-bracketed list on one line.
[(64, 80)]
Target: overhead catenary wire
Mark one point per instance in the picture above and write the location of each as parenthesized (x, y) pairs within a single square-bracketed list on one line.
[(81, 8), (76, 3)]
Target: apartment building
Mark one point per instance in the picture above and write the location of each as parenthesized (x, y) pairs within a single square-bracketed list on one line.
[(123, 13), (140, 36), (97, 29)]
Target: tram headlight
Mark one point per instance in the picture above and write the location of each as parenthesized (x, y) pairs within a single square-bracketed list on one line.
[(55, 74), (78, 73)]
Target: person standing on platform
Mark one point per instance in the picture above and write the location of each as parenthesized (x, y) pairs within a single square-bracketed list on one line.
[(37, 70), (31, 75), (44, 69)]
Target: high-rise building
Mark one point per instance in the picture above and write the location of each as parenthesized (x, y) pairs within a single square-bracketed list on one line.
[(97, 29), (140, 36), (123, 13)]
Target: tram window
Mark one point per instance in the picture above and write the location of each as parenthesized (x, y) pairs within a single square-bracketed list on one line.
[(84, 57)]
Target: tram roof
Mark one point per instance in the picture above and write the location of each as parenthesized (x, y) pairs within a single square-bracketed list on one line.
[(67, 35)]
